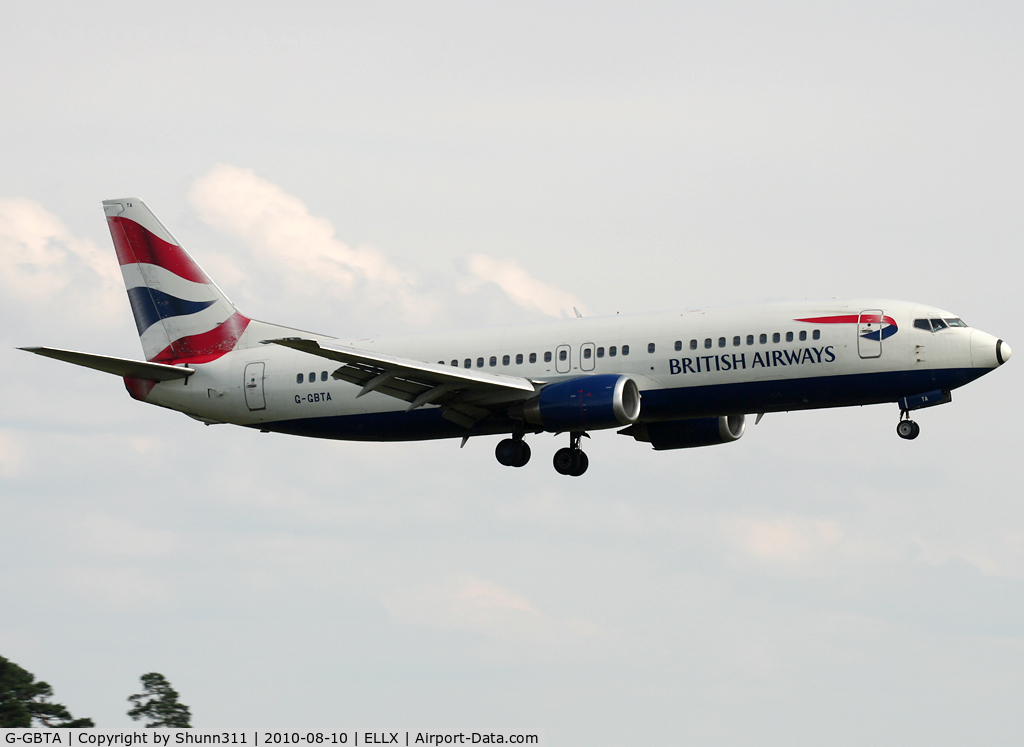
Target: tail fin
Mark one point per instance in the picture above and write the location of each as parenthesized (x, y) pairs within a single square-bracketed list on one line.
[(181, 314)]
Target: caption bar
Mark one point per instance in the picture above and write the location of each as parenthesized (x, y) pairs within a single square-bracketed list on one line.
[(168, 737)]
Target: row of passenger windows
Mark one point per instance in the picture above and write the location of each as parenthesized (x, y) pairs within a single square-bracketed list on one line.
[(738, 340), (312, 377), (614, 350), (563, 355)]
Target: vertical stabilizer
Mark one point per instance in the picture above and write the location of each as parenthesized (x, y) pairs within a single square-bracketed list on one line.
[(181, 315)]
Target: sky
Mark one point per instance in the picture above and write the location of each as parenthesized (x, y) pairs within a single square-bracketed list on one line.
[(361, 169)]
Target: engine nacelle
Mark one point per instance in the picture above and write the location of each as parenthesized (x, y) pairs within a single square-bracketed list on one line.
[(585, 403), (684, 434)]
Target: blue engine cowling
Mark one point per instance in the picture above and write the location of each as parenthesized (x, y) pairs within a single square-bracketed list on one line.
[(585, 403), (684, 434)]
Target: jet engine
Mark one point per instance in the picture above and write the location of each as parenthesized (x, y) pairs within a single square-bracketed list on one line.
[(684, 434), (585, 403)]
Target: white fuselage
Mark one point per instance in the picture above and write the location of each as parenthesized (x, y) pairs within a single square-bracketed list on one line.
[(687, 364)]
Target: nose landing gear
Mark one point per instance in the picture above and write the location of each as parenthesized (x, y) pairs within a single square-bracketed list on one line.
[(907, 428), (572, 461)]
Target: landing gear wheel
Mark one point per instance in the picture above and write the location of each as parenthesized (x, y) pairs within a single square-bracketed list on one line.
[(908, 429), (566, 461), (582, 462), (512, 452)]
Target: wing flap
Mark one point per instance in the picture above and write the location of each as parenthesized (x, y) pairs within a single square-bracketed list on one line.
[(363, 363), (458, 392)]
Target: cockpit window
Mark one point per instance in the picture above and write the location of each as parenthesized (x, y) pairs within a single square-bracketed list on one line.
[(955, 322), (938, 324), (923, 324)]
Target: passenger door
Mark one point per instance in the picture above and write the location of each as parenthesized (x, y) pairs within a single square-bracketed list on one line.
[(253, 385), (869, 333)]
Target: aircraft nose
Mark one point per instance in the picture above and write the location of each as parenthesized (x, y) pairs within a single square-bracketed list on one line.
[(987, 351)]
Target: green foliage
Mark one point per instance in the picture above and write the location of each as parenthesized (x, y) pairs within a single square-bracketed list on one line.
[(158, 702), (24, 702)]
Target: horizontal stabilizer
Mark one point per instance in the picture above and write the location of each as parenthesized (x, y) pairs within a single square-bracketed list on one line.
[(117, 366)]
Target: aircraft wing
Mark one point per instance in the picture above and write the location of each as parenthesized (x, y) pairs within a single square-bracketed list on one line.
[(117, 366), (464, 395)]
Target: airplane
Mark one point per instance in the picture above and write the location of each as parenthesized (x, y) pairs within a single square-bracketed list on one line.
[(671, 379)]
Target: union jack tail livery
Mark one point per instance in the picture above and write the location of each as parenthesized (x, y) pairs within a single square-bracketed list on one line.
[(182, 316)]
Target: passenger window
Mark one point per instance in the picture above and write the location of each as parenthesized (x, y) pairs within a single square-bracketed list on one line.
[(612, 351), (763, 338), (312, 376), (455, 363), (479, 362), (816, 334), (298, 378), (750, 339), (562, 355), (803, 335), (650, 347), (776, 337), (600, 352), (721, 342), (693, 344), (519, 359), (922, 324), (625, 349), (505, 360), (468, 363), (494, 360), (547, 357), (586, 353), (789, 337), (533, 357), (679, 344), (736, 341), (323, 374), (707, 342)]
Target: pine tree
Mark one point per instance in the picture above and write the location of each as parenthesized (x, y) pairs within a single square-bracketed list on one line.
[(24, 702), (158, 702)]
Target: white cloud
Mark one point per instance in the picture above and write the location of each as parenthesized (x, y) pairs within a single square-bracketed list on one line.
[(11, 455), (302, 254), (301, 250), (42, 265), (111, 535), (472, 604), (519, 285)]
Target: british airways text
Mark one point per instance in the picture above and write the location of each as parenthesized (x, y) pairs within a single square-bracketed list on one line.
[(738, 361)]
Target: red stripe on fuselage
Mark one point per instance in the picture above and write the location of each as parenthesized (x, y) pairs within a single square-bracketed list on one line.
[(134, 244), (205, 347), (849, 319)]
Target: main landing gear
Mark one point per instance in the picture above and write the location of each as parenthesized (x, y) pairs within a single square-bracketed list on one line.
[(907, 428), (513, 452), (572, 461)]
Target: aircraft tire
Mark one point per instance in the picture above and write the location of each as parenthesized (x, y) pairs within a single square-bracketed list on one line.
[(582, 462), (908, 429), (507, 453), (523, 455), (565, 461)]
